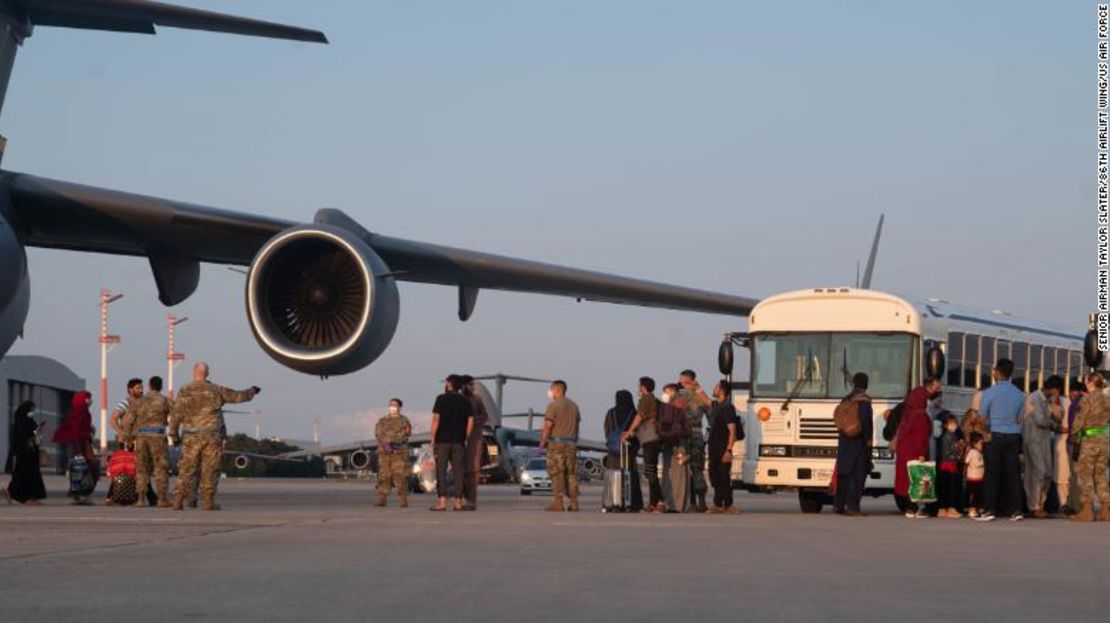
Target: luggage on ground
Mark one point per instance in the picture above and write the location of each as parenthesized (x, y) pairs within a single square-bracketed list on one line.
[(82, 480), (617, 487)]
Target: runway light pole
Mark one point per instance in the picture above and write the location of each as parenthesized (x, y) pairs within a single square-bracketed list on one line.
[(107, 342), (172, 356)]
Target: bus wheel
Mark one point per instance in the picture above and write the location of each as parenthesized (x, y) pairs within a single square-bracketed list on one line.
[(810, 502)]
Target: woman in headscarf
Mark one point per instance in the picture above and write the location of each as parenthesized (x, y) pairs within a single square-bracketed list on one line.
[(912, 443), (617, 420), (26, 486), (77, 433)]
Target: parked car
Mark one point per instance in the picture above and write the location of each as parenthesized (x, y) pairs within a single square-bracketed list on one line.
[(534, 477)]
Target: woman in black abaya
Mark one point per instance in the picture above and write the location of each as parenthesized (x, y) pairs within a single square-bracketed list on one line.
[(26, 486)]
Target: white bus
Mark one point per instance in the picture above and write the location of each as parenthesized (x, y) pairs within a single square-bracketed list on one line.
[(806, 345)]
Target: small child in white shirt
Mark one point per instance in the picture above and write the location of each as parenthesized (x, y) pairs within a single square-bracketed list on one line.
[(975, 469)]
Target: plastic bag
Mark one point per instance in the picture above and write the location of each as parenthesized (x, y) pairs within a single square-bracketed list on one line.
[(923, 481)]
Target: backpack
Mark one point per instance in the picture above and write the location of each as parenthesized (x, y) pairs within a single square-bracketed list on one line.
[(890, 429), (846, 416), (670, 424), (613, 438)]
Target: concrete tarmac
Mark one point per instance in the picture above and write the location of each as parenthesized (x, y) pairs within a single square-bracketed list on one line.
[(295, 550)]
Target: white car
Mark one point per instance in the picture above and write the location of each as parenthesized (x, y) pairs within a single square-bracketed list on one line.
[(534, 477)]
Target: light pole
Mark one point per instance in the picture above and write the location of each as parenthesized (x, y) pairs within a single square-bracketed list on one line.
[(107, 342), (258, 424), (172, 356)]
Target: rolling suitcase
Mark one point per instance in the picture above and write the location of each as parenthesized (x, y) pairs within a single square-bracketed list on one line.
[(616, 487)]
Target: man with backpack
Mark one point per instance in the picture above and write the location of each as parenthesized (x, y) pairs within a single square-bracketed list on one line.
[(853, 447), (674, 432)]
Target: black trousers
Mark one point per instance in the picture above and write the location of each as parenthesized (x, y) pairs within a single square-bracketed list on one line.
[(849, 489), (949, 490), (974, 494), (453, 455), (637, 501), (1003, 486), (651, 469), (720, 476)]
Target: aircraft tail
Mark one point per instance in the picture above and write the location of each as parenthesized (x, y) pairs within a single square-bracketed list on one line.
[(870, 270)]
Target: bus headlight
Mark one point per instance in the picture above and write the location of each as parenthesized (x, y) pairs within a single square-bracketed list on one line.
[(764, 414), (882, 454), (779, 451)]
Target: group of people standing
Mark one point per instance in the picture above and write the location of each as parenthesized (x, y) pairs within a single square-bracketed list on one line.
[(145, 423), (671, 428), (459, 418), (999, 460)]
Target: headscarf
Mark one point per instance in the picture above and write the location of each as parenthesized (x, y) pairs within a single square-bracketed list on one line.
[(23, 431), (77, 428), (623, 412)]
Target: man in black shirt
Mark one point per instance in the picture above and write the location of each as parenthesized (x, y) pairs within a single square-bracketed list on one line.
[(452, 423), (724, 431)]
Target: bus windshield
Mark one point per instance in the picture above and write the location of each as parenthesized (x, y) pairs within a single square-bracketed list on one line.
[(821, 365)]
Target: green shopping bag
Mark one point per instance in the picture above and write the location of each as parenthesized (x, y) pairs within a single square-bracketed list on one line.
[(923, 481)]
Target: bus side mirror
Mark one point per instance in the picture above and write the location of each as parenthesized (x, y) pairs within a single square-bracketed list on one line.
[(1091, 354), (934, 363), (725, 357)]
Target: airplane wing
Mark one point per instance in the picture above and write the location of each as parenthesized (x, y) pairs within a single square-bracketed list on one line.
[(141, 16), (63, 215)]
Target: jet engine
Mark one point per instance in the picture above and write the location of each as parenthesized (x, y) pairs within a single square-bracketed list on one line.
[(15, 286), (321, 301)]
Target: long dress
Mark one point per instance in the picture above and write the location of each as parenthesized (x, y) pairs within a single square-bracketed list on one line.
[(26, 484), (912, 439)]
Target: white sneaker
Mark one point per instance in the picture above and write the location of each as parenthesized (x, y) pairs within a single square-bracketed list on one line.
[(910, 515), (1017, 517), (921, 514), (985, 517)]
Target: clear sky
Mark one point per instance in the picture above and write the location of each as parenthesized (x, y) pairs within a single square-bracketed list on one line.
[(736, 146)]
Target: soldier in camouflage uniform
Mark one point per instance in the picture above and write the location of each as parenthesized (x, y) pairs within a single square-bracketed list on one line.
[(148, 434), (560, 438), (392, 433), (1091, 430), (198, 420), (697, 410)]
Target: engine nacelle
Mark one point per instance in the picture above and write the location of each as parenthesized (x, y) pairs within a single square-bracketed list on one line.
[(15, 286), (321, 301)]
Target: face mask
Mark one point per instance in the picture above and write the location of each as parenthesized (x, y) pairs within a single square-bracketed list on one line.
[(666, 398), (394, 409), (550, 395)]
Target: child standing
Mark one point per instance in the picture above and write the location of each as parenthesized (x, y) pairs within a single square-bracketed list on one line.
[(948, 470), (976, 469)]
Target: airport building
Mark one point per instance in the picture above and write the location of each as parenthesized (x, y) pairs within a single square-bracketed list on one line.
[(51, 385)]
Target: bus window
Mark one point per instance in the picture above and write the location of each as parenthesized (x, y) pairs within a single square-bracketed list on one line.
[(1075, 365), (955, 359), (971, 361), (986, 361), (1054, 362), (1035, 366), (795, 363), (1021, 363)]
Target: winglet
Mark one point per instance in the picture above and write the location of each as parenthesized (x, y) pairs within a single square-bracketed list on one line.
[(141, 16), (866, 283)]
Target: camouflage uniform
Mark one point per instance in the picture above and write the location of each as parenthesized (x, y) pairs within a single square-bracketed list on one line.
[(392, 433), (1090, 430), (198, 420), (148, 432), (695, 443), (562, 468)]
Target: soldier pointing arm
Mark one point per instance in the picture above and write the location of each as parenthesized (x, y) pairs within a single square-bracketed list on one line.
[(198, 420)]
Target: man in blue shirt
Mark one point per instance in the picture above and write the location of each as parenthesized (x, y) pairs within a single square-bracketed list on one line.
[(1002, 405)]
